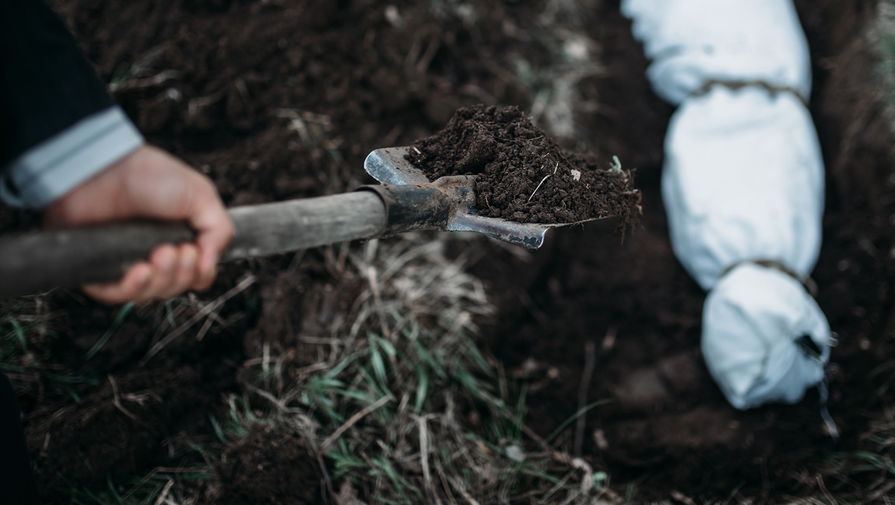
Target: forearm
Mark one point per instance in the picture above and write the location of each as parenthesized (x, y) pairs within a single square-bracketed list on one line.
[(59, 126)]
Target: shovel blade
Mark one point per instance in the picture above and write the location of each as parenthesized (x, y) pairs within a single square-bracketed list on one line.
[(528, 235), (389, 165)]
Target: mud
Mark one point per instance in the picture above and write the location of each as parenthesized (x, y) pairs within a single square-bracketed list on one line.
[(523, 175)]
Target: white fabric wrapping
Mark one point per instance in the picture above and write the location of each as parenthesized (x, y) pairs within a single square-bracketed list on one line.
[(692, 41), (750, 320), (743, 180)]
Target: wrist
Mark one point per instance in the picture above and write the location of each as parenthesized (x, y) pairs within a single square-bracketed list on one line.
[(57, 165)]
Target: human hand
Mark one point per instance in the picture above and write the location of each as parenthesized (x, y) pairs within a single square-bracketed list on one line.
[(150, 183)]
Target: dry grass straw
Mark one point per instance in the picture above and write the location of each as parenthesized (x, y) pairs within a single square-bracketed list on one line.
[(865, 474), (881, 38), (405, 408), (29, 330)]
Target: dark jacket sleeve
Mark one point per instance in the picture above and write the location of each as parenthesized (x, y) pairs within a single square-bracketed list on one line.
[(58, 125), (47, 84)]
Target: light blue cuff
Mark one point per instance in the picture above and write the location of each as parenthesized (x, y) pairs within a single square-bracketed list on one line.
[(55, 166)]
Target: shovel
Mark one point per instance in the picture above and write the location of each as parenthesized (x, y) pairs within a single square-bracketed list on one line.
[(405, 200)]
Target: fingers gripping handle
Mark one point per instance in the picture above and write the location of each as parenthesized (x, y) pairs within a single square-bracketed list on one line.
[(39, 261), (67, 258)]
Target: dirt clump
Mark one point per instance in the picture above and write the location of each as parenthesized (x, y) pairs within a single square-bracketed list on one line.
[(522, 174), (115, 430), (270, 465)]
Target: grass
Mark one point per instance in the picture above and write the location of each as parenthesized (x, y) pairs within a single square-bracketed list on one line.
[(867, 471), (883, 33), (29, 342), (158, 487), (144, 491), (406, 409), (402, 406), (104, 339), (23, 320), (27, 335), (181, 485), (881, 36)]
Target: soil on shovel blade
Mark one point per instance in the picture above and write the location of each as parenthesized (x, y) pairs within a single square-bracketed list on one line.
[(522, 174)]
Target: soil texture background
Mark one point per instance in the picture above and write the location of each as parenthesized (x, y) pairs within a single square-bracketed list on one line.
[(276, 100)]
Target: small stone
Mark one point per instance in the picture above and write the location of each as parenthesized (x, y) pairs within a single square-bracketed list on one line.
[(394, 16), (514, 452)]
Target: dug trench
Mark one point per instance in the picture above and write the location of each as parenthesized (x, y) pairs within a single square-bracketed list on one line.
[(622, 323), (276, 102)]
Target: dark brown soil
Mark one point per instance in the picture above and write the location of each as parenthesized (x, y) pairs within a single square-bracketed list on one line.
[(269, 466), (522, 174), (88, 420), (278, 100), (115, 430)]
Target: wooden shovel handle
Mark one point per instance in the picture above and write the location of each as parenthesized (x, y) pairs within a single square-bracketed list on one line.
[(39, 261)]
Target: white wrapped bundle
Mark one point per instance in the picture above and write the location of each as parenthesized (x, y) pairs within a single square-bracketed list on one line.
[(742, 183), (692, 41)]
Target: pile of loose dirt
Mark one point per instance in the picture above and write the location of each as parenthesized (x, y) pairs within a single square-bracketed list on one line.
[(269, 466), (522, 174)]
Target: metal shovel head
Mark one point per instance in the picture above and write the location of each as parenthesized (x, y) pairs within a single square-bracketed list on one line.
[(389, 165)]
